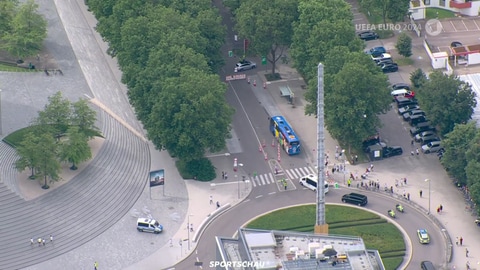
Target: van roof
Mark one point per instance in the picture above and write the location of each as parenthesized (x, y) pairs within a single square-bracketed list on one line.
[(399, 92), (310, 176)]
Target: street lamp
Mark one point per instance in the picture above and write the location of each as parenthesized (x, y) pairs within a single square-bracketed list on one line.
[(238, 182), (428, 180), (344, 169), (188, 231)]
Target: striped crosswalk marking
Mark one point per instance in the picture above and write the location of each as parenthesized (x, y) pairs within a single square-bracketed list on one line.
[(292, 174)]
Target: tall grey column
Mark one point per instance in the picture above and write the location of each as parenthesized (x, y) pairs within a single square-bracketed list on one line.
[(320, 226)]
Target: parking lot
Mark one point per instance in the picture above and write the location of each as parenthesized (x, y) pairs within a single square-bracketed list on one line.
[(461, 25)]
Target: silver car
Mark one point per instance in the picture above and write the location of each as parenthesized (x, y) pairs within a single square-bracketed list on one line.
[(244, 65), (431, 147)]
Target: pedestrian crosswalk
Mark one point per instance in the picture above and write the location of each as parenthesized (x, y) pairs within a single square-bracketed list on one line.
[(292, 174)]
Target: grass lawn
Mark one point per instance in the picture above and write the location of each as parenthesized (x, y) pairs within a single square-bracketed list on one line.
[(13, 69), (375, 231), (431, 13), (402, 61)]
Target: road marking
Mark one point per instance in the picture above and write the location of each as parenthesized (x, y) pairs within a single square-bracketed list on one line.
[(454, 28), (259, 196), (475, 22), (271, 193)]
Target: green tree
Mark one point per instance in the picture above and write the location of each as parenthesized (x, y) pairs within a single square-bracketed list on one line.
[(190, 116), (404, 45), (29, 154), (7, 13), (395, 10), (48, 164), (74, 148), (84, 118), (418, 78), (456, 144), (267, 24), (56, 114), (447, 100), (28, 30)]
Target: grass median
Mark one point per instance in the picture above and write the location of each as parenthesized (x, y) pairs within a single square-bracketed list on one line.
[(375, 231)]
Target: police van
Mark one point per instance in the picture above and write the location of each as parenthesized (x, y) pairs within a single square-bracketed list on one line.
[(149, 225), (310, 181)]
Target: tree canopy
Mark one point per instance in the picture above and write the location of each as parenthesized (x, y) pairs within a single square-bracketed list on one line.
[(267, 24), (394, 10), (447, 100), (25, 29)]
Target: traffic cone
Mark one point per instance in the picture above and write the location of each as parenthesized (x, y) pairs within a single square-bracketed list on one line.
[(266, 156), (273, 143), (248, 80), (254, 82), (264, 85)]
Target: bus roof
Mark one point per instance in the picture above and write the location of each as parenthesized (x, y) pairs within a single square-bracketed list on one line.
[(285, 127)]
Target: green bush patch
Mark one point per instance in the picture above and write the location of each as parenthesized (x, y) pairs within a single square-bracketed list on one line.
[(201, 169), (273, 77)]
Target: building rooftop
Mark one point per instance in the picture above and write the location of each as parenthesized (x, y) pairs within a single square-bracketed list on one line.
[(296, 251)]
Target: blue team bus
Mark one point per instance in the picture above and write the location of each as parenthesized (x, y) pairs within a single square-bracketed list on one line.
[(285, 135)]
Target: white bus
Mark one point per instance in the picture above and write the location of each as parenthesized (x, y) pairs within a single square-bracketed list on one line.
[(310, 181)]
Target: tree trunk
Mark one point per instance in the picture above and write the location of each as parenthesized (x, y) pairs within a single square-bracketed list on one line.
[(32, 176), (45, 186), (73, 168), (273, 53)]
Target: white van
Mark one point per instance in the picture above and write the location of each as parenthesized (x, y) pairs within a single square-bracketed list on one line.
[(149, 225), (402, 93), (310, 181)]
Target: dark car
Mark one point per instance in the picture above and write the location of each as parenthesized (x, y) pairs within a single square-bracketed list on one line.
[(421, 127), (404, 101), (406, 116), (417, 119), (368, 35), (244, 65), (370, 141), (376, 50), (456, 44), (389, 67), (398, 86), (408, 108), (355, 198), (392, 151)]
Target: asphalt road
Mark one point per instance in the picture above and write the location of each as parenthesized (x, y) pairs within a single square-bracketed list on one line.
[(227, 224)]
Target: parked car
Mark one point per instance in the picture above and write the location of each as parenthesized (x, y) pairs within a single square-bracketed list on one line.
[(421, 127), (408, 108), (372, 140), (431, 147), (417, 119), (384, 61), (423, 236), (431, 138), (402, 93), (368, 35), (389, 67), (398, 86), (403, 101), (392, 151), (419, 137), (456, 44), (376, 50), (406, 116), (244, 65), (381, 57)]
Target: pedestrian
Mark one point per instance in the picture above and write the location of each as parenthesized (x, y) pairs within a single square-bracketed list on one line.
[(441, 208), (371, 167), (412, 142), (285, 184), (31, 241), (223, 175), (43, 242), (418, 152), (408, 196), (218, 204), (171, 242), (421, 192), (211, 199), (353, 159), (412, 153), (466, 252), (456, 241), (51, 238), (438, 210), (226, 176), (95, 266), (468, 265), (191, 227), (39, 241), (461, 240), (276, 169), (349, 182), (405, 181), (356, 158)]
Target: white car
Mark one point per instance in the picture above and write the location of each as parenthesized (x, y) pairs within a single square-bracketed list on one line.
[(381, 57), (431, 147), (244, 65)]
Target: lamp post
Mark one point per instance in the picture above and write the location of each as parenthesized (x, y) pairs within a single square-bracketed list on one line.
[(344, 169), (188, 231), (238, 182), (428, 180)]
